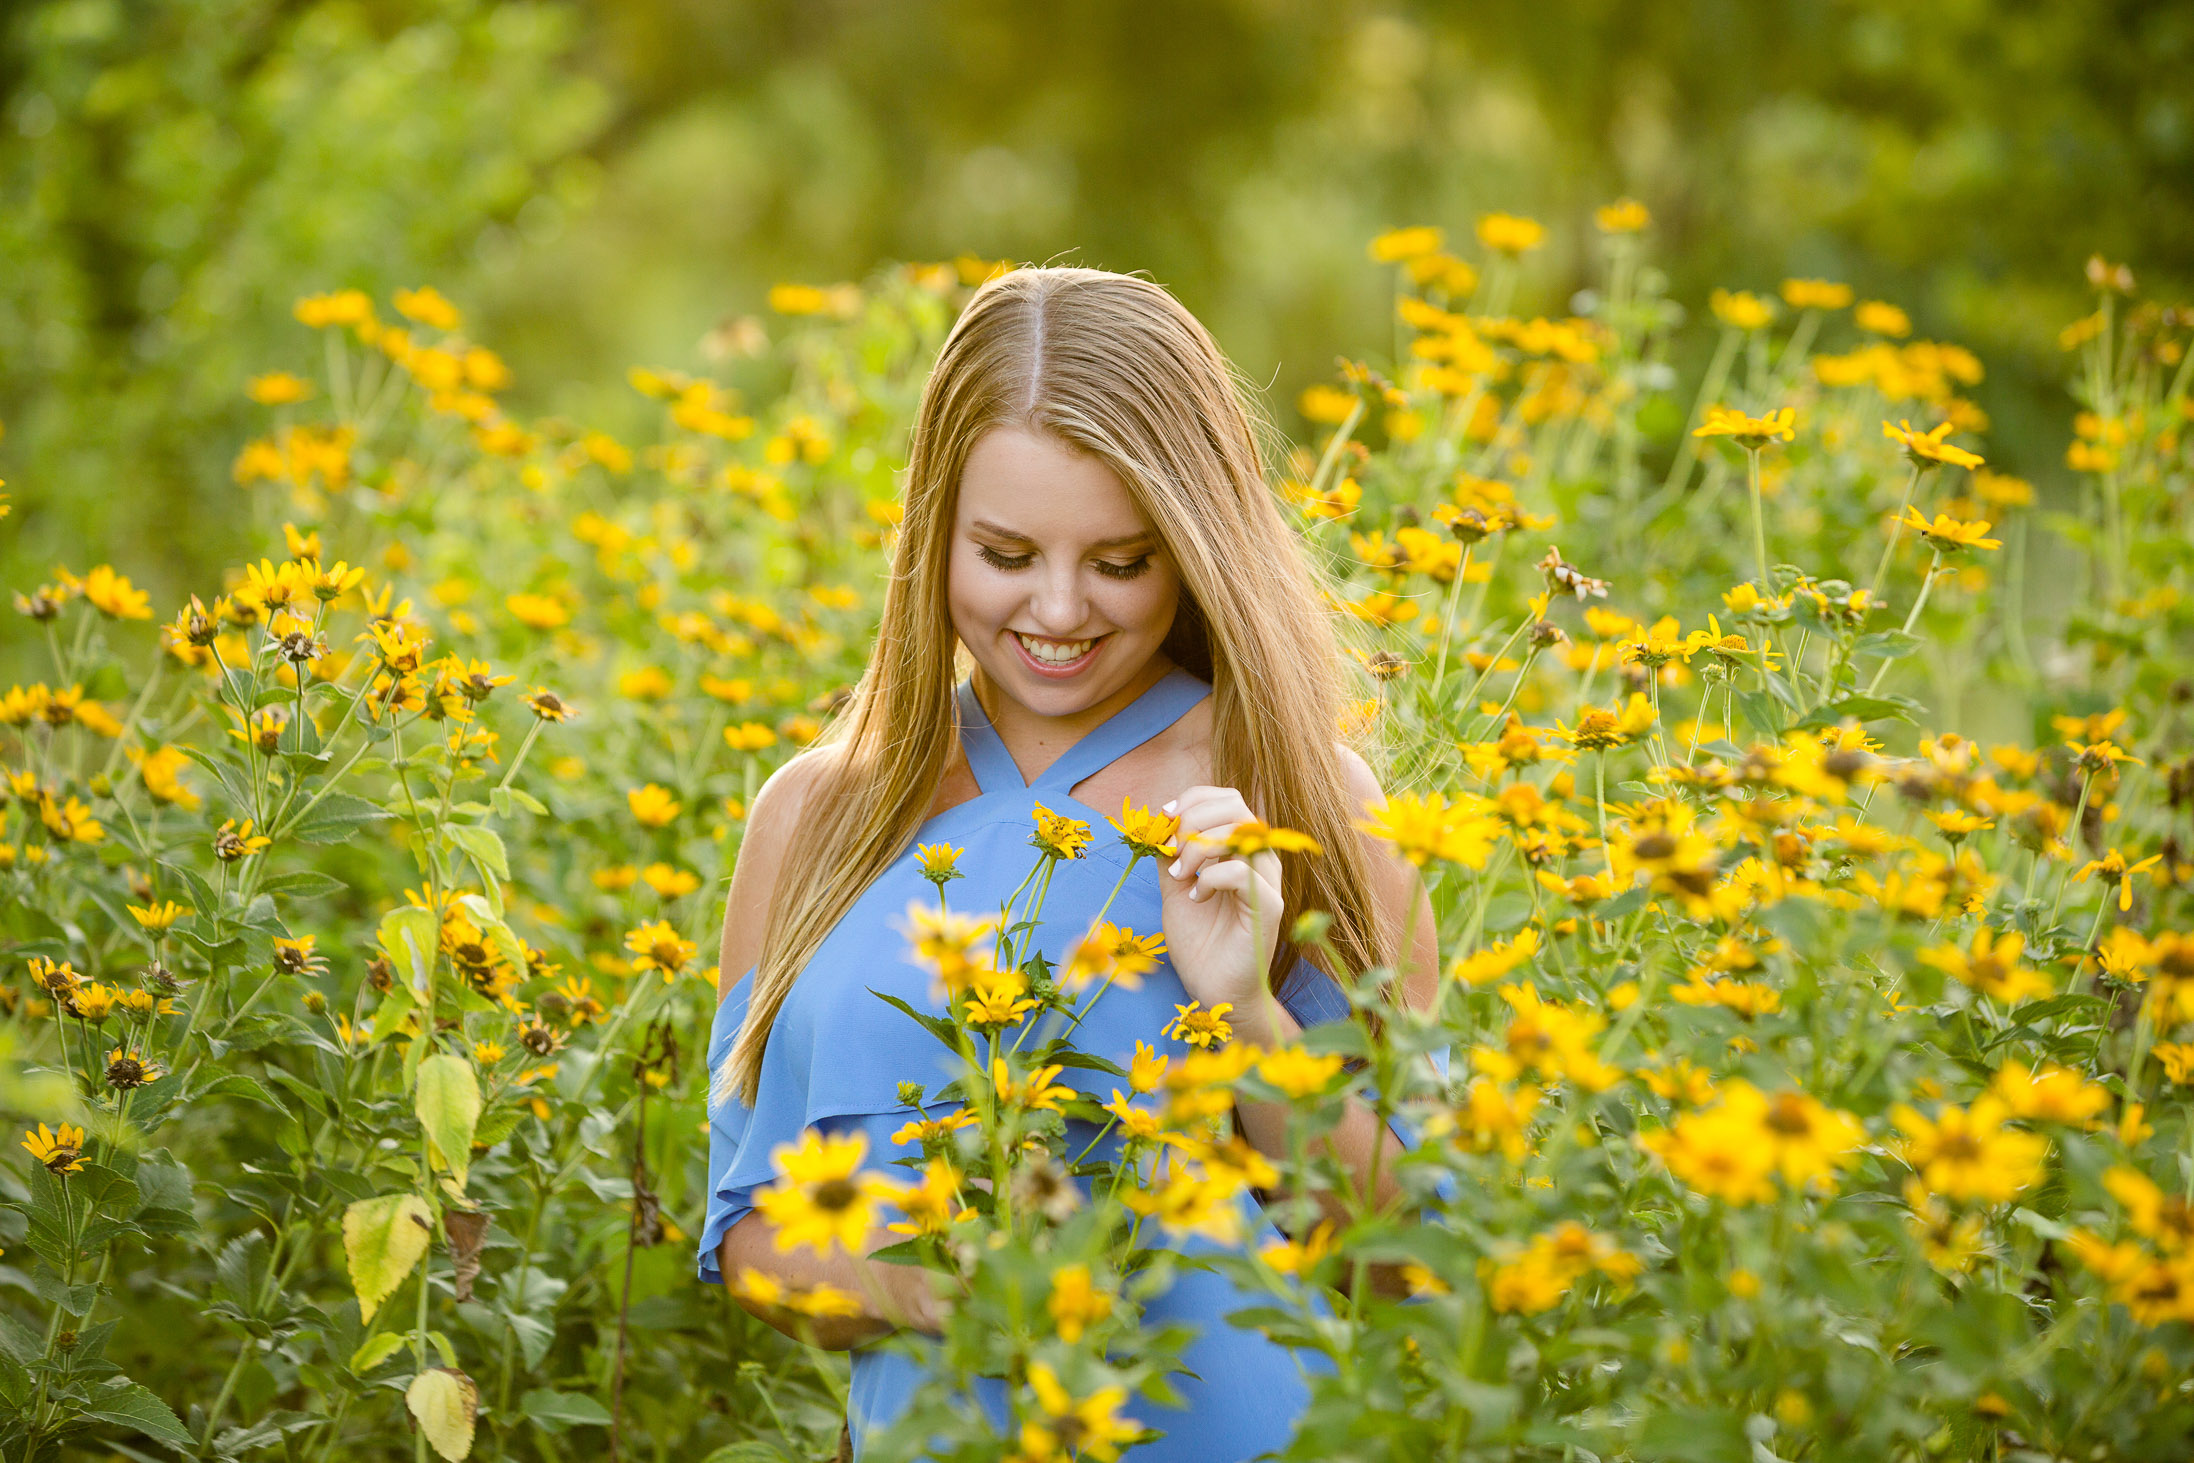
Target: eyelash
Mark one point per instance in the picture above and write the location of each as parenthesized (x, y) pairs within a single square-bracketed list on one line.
[(997, 560)]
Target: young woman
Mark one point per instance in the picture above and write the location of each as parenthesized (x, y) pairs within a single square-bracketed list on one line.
[(1087, 524)]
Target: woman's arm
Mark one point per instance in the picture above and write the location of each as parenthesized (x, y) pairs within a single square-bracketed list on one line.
[(890, 1296)]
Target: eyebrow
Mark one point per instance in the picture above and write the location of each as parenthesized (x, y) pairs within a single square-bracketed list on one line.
[(1120, 542)]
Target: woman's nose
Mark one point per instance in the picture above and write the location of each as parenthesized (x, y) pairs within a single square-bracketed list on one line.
[(1059, 604)]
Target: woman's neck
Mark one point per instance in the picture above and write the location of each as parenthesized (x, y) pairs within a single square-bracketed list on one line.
[(1033, 738)]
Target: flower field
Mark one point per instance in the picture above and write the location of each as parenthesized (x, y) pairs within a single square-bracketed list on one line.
[(1807, 807)]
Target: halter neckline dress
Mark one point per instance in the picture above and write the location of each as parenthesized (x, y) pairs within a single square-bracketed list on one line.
[(836, 1057)]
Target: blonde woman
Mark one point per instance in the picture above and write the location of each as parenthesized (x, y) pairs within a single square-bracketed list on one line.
[(1094, 597)]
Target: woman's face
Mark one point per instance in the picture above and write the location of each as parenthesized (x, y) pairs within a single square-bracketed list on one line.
[(1051, 557)]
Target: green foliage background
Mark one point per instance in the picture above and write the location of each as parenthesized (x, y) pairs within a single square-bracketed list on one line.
[(599, 183)]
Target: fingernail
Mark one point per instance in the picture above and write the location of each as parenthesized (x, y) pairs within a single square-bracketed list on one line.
[(1176, 869), (1169, 805)]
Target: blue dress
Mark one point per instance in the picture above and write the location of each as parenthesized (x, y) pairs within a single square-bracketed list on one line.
[(836, 1056)]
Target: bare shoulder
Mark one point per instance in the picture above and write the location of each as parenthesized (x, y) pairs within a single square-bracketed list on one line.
[(762, 846), (1363, 783), (1415, 930)]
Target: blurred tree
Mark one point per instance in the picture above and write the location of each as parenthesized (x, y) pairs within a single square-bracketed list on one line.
[(600, 181), (178, 172)]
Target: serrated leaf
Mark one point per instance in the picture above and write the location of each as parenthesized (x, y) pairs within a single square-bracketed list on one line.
[(484, 846), (303, 884), (447, 1101), (557, 1411), (445, 1402), (1861, 708), (382, 1239), (334, 819), (126, 1404)]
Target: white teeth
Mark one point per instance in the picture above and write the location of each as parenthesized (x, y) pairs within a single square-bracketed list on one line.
[(1052, 654)]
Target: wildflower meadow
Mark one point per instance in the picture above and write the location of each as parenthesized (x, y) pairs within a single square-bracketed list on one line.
[(1807, 806)]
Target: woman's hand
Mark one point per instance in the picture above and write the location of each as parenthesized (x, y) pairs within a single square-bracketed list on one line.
[(1218, 947)]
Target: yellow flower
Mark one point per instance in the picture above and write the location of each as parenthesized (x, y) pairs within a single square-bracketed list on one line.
[(1147, 1069), (1598, 729), (1001, 1000), (1951, 1244), (1493, 961), (1424, 826), (1537, 1279), (2055, 1094), (1750, 433), (1254, 836), (159, 917), (1298, 1073), (1076, 1302), (127, 1069), (1948, 535), (1146, 832), (1328, 405), (1298, 1258), (939, 861), (1991, 966), (1882, 319), (1090, 1428), (1037, 1092), (818, 1202), (934, 1130), (549, 706), (231, 842), (1815, 294), (2112, 868), (61, 1152), (653, 806), (1058, 836), (1623, 216), (537, 611), (669, 882), (1967, 1153), (931, 1203), (658, 946), (1509, 234), (114, 596), (1928, 449), (277, 388), (427, 306), (1398, 245), (1200, 1027), (1741, 310)]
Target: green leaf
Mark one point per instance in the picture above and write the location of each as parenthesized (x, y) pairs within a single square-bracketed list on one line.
[(126, 1404), (411, 937), (448, 1103), (936, 1026), (1887, 645), (498, 1123), (557, 1411), (382, 1239), (1861, 708), (1761, 711), (303, 884), (376, 1350), (485, 848), (334, 819), (526, 800)]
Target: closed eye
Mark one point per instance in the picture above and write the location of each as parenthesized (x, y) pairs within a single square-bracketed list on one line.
[(1009, 563)]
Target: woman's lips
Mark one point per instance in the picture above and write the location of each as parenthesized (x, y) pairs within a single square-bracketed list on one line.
[(1060, 672)]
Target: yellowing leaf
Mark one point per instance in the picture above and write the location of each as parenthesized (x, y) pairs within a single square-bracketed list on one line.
[(448, 1103), (445, 1401), (382, 1239)]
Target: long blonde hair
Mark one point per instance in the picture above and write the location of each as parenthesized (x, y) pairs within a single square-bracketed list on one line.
[(1113, 366)]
